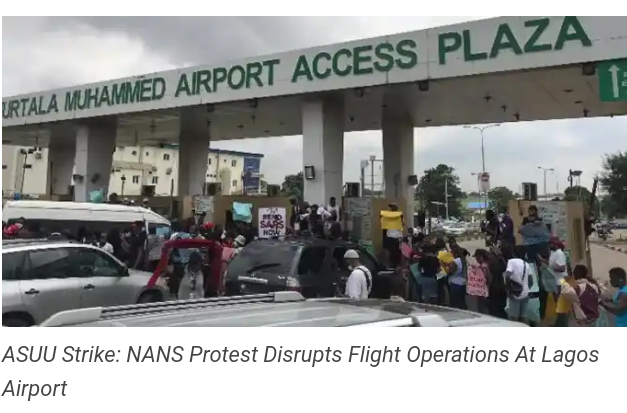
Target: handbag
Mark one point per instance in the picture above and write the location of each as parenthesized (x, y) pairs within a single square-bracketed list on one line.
[(513, 287)]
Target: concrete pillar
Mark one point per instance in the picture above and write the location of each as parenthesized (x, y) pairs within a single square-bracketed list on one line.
[(323, 147), (194, 139), (95, 143), (60, 168), (398, 159)]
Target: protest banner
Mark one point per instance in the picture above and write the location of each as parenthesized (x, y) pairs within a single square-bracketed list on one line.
[(271, 222)]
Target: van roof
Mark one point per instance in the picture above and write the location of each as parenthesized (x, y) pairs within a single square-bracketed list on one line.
[(78, 206)]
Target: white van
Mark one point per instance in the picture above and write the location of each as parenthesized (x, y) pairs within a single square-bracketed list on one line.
[(54, 216)]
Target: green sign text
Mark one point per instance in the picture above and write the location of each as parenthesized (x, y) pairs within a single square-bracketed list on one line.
[(504, 38)]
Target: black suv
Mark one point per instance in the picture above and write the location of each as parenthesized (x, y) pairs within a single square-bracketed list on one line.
[(314, 267)]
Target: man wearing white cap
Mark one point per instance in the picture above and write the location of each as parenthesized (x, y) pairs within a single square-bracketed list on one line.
[(359, 283)]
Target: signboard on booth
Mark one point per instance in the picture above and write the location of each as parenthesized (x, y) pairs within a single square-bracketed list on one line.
[(272, 222), (484, 182)]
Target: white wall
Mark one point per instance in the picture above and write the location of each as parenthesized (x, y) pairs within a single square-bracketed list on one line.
[(140, 166)]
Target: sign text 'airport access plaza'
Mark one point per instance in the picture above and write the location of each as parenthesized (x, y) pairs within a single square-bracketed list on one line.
[(381, 56)]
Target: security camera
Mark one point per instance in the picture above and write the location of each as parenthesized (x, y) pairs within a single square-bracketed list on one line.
[(423, 86), (588, 69)]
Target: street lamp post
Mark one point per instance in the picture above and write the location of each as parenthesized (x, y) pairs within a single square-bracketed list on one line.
[(544, 171), (123, 179), (481, 129)]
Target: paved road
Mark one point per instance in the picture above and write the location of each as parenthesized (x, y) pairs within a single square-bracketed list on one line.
[(602, 258)]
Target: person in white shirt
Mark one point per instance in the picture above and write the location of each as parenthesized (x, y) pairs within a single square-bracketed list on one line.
[(557, 260), (359, 283), (334, 210), (518, 271)]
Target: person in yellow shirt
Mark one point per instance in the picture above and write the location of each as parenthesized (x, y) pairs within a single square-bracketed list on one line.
[(392, 227), (564, 306)]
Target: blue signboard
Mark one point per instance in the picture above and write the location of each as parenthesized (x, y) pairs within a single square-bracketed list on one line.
[(252, 166)]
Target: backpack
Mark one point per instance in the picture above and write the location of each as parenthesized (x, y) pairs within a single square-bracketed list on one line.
[(588, 303)]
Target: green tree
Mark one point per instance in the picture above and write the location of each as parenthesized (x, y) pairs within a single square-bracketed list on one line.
[(613, 180), (577, 193), (263, 185), (293, 186), (500, 197), (432, 187)]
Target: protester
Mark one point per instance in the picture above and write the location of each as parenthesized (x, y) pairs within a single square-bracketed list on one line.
[(457, 279), (239, 243), (359, 283), (557, 260), (13, 230), (146, 203), (584, 298), (392, 227), (549, 284), (535, 234), (617, 305), (491, 228), (479, 277), (191, 285), (294, 215), (334, 210), (137, 244), (429, 266), (106, 245), (497, 296), (113, 198), (517, 284), (447, 267), (507, 229)]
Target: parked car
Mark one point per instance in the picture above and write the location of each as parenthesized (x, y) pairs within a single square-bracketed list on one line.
[(43, 277), (313, 267), (278, 309), (456, 229)]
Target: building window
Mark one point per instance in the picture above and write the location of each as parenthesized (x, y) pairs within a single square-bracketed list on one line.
[(209, 161), (234, 183), (134, 153), (234, 163), (155, 180), (147, 153), (135, 179), (166, 156)]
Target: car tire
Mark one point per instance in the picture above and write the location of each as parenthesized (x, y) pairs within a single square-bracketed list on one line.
[(15, 321), (149, 297)]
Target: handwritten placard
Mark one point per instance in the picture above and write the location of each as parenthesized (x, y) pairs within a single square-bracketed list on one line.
[(554, 213), (271, 222), (476, 283)]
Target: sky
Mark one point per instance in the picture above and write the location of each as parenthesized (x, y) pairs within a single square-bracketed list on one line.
[(40, 53)]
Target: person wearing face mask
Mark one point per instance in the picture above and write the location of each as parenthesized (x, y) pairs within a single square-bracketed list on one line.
[(359, 283)]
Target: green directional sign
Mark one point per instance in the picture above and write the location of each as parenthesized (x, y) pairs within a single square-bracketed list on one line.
[(612, 80)]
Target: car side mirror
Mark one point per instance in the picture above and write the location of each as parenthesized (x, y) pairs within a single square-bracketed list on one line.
[(125, 272)]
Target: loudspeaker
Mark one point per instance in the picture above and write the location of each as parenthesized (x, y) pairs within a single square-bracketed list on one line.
[(530, 191), (352, 190), (273, 190), (214, 188), (412, 180)]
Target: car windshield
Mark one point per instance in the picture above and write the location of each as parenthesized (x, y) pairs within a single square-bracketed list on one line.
[(266, 256)]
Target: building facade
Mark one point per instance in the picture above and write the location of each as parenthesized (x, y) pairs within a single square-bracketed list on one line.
[(135, 171)]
